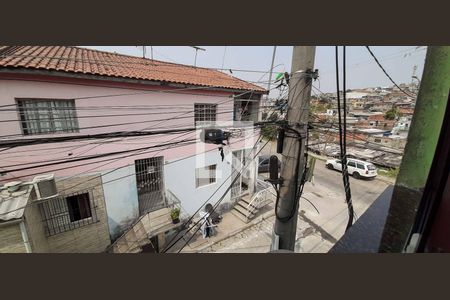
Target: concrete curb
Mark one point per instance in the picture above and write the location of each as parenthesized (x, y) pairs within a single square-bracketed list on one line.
[(385, 179)]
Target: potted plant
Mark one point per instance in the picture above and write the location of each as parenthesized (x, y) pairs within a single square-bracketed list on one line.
[(175, 215)]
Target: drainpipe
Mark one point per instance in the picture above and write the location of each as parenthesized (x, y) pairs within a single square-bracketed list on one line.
[(26, 241), (420, 148)]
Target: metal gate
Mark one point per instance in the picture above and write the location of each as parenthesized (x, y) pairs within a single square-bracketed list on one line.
[(150, 184)]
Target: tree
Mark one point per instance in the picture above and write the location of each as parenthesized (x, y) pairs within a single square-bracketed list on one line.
[(392, 114), (269, 131)]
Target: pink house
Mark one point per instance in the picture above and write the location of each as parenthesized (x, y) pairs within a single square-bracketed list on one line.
[(55, 91)]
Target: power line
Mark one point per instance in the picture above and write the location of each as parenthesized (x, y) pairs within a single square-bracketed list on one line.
[(135, 149), (112, 125), (89, 157), (138, 151), (221, 198), (388, 76), (111, 171), (72, 147), (102, 174), (164, 120), (135, 173), (116, 134), (172, 243), (342, 139), (163, 64), (387, 57), (150, 67)]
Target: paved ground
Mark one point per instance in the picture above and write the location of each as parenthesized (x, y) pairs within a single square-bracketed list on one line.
[(316, 232)]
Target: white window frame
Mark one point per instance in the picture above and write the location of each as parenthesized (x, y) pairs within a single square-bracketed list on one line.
[(205, 171)]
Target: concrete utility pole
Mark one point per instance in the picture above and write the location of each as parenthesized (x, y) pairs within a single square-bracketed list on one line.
[(293, 149), (420, 148)]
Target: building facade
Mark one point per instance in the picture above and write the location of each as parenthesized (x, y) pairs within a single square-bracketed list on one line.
[(70, 91)]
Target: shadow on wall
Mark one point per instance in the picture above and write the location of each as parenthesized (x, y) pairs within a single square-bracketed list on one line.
[(117, 229)]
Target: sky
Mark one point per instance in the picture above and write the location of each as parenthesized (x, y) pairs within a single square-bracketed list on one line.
[(362, 71)]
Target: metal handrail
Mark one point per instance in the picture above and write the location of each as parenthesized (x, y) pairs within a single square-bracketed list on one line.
[(259, 197)]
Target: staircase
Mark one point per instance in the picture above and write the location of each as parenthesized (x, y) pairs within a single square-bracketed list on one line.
[(249, 205), (145, 227)]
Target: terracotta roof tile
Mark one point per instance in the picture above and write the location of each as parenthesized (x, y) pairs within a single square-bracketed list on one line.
[(94, 62)]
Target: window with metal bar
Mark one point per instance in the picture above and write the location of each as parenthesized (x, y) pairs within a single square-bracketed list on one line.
[(65, 213), (79, 207), (205, 112), (205, 175), (46, 116)]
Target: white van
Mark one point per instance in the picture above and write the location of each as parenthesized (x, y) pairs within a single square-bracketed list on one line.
[(356, 168)]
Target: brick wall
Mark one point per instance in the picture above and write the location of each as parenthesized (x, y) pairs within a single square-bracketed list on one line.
[(90, 238), (35, 227), (11, 239)]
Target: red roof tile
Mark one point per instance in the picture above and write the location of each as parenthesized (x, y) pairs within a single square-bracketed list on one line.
[(94, 62)]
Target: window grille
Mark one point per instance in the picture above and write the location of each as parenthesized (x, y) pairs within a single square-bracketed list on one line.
[(205, 112), (65, 213), (39, 116)]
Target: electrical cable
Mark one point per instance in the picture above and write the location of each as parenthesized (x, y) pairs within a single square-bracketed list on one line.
[(113, 160), (100, 142), (88, 157), (388, 76), (170, 244), (116, 134), (298, 187), (217, 203), (342, 135), (138, 61)]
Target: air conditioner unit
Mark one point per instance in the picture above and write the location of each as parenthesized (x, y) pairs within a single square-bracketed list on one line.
[(45, 186)]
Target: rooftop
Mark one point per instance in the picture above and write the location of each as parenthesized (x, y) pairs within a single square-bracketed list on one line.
[(71, 60), (12, 204), (371, 130)]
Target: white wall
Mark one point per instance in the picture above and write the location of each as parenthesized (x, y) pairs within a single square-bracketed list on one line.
[(121, 199), (180, 180)]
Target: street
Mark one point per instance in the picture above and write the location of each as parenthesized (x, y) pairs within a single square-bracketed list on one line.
[(316, 231)]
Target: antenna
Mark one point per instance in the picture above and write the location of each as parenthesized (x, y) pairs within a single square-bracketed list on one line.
[(196, 50), (143, 51)]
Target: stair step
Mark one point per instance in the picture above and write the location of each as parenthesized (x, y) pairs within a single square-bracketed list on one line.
[(139, 230), (245, 203), (243, 210), (240, 216)]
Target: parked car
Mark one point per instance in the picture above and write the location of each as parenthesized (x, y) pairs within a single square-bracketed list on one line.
[(263, 166), (356, 168)]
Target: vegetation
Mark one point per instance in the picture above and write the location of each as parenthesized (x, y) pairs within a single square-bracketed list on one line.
[(269, 131), (392, 173), (175, 213), (392, 114), (320, 107)]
